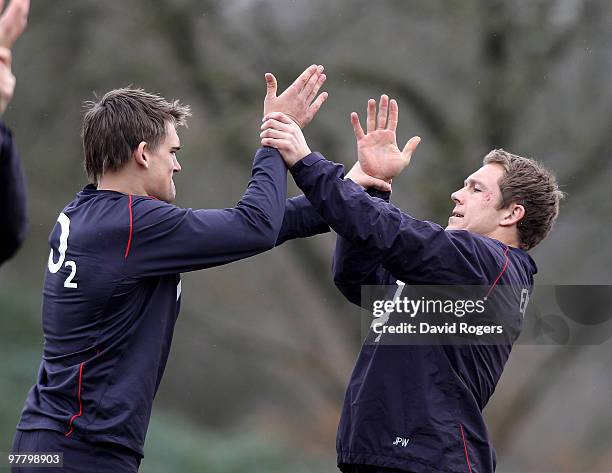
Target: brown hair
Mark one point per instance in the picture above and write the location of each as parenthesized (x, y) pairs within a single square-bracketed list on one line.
[(530, 184), (114, 126)]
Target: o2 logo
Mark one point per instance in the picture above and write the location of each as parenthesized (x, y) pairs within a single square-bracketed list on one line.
[(54, 267)]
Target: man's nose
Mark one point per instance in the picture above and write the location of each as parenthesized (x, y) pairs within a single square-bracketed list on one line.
[(456, 196), (177, 166)]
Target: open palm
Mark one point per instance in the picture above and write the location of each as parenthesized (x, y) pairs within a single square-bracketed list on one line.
[(378, 153)]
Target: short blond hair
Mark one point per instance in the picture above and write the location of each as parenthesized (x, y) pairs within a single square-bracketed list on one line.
[(530, 184)]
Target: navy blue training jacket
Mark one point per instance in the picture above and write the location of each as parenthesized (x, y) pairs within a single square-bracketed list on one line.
[(112, 294), (12, 196), (416, 408)]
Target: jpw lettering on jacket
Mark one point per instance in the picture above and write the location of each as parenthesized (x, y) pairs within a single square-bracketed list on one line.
[(401, 441)]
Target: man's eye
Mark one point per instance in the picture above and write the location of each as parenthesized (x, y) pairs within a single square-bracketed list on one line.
[(476, 189)]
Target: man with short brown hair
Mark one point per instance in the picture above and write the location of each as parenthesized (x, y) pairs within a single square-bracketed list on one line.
[(120, 121), (112, 290)]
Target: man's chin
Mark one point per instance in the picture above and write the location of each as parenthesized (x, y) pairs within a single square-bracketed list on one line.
[(168, 198), (455, 223), (171, 197)]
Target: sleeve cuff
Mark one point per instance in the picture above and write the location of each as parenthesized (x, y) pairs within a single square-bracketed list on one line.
[(307, 161), (386, 196), (266, 151)]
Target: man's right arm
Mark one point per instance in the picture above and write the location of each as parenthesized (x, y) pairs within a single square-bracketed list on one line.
[(12, 197), (165, 239), (12, 181), (414, 251)]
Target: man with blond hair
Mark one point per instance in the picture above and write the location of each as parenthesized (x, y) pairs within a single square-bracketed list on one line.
[(414, 407)]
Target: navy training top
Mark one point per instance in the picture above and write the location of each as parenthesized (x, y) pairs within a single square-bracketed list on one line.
[(13, 202), (112, 294), (416, 408)]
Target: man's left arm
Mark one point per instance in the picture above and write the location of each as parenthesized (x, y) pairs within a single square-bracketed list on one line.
[(355, 266), (301, 220)]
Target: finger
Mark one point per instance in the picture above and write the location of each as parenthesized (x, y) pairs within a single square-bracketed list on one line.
[(7, 87), (5, 56), (411, 146), (275, 133), (312, 82), (316, 88), (393, 115), (13, 21), (281, 117), (303, 78), (378, 184), (275, 143), (316, 105), (271, 85), (359, 134), (371, 120), (275, 124), (383, 108)]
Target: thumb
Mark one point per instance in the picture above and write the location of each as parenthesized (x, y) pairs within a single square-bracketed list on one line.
[(270, 85), (411, 146)]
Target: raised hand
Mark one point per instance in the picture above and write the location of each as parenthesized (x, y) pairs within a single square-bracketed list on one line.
[(7, 79), (13, 21), (299, 101), (281, 132), (377, 150), (366, 181)]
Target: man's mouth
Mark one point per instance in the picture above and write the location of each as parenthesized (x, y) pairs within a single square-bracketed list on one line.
[(457, 214)]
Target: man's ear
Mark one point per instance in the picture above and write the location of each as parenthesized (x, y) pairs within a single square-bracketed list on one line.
[(140, 155), (513, 215)]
